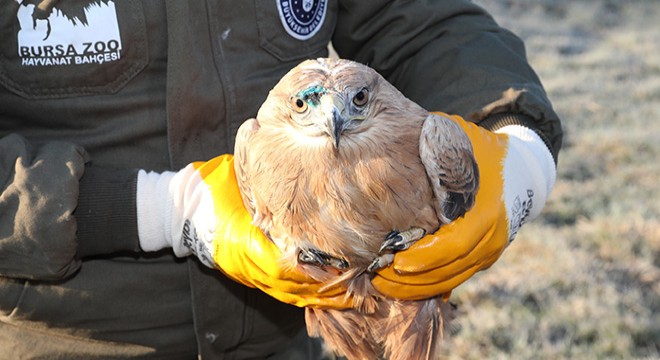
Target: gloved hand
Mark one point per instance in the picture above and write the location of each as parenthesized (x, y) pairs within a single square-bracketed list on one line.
[(38, 194), (517, 173), (199, 210)]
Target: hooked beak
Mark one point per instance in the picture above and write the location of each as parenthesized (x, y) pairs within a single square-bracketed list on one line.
[(336, 122)]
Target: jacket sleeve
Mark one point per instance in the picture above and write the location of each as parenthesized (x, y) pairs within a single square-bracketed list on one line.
[(40, 190), (107, 213), (449, 56)]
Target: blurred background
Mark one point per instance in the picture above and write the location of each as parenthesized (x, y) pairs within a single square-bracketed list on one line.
[(582, 281)]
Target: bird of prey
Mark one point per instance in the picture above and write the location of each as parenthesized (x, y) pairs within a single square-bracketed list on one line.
[(340, 171)]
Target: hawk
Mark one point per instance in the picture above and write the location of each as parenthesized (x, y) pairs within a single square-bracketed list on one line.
[(340, 170)]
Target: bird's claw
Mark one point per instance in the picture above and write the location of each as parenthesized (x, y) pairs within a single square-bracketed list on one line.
[(397, 241), (380, 262), (320, 258)]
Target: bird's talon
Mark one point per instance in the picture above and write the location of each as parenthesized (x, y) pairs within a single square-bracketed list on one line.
[(320, 258), (392, 234), (380, 262), (375, 265), (307, 257), (397, 241), (393, 242)]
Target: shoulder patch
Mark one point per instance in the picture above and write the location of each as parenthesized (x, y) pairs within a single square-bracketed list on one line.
[(302, 19)]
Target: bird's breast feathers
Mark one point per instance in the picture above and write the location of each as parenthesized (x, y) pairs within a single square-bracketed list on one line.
[(328, 197)]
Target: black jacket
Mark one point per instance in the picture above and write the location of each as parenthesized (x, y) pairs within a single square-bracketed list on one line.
[(168, 83)]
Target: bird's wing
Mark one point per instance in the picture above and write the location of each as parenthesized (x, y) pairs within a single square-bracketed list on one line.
[(242, 162), (446, 152)]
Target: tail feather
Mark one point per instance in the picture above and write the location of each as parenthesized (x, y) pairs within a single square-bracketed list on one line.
[(365, 297), (346, 332), (397, 330), (414, 329)]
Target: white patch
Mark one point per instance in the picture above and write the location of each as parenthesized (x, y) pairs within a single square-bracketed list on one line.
[(302, 19), (225, 34), (60, 40)]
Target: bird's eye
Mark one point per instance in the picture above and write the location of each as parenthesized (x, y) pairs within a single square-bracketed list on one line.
[(361, 98), (299, 105)]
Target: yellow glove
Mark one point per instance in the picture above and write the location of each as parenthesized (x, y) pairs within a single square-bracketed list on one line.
[(517, 173), (199, 210)]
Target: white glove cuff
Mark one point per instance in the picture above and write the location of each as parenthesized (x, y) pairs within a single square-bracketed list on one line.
[(154, 210), (176, 210), (529, 175)]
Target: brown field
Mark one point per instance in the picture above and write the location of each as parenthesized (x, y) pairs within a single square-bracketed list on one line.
[(582, 281)]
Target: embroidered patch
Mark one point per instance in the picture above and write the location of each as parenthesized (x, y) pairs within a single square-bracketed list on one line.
[(302, 19)]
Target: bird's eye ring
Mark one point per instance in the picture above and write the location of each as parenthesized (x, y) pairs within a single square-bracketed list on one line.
[(361, 98), (299, 105)]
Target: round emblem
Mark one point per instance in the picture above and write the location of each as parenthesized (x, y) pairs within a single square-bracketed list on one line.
[(302, 19)]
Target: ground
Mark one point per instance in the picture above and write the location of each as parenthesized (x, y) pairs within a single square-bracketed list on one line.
[(583, 280)]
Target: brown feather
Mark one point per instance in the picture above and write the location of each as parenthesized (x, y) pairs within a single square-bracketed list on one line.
[(446, 152), (305, 192)]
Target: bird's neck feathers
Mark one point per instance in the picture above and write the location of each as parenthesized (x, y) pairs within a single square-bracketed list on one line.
[(326, 188)]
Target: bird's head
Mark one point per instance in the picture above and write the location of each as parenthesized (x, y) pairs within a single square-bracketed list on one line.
[(330, 112), (327, 100)]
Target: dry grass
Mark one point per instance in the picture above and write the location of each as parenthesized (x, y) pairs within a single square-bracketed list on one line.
[(583, 281)]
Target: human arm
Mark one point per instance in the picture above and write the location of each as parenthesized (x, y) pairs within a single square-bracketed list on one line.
[(517, 173), (39, 192), (199, 211), (56, 210), (451, 56)]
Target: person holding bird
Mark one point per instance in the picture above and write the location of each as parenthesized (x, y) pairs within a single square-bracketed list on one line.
[(124, 227)]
